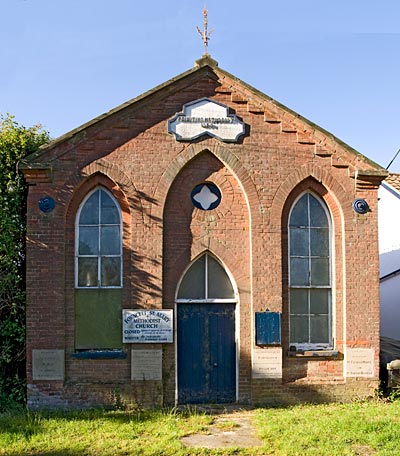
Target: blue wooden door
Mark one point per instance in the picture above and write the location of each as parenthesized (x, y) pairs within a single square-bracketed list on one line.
[(206, 353)]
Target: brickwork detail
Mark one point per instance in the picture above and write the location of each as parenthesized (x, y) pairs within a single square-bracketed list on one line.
[(151, 175)]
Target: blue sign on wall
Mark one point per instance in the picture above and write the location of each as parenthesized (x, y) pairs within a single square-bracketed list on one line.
[(268, 328)]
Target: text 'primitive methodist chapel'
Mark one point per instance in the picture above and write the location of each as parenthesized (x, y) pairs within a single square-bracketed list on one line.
[(201, 243)]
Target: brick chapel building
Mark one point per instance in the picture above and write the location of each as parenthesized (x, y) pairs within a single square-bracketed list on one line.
[(201, 243)]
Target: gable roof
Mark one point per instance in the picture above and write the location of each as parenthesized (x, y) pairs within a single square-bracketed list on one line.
[(257, 102)]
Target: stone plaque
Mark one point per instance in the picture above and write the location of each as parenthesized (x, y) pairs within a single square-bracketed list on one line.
[(146, 364), (360, 362), (267, 363), (48, 364), (206, 117)]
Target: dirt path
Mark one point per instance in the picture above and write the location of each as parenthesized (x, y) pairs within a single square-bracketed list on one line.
[(228, 430)]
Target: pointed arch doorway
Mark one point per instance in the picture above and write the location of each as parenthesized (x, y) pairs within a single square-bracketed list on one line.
[(206, 339)]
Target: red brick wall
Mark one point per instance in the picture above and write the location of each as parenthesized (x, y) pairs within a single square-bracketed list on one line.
[(151, 175), (223, 231)]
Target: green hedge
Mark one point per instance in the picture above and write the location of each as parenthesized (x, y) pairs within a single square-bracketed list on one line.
[(16, 142)]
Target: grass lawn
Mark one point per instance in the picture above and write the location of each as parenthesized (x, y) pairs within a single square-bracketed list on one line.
[(361, 428)]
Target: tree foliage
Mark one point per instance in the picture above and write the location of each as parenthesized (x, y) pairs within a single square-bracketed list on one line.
[(16, 142)]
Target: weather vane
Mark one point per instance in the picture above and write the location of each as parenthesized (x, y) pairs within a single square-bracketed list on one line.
[(205, 34)]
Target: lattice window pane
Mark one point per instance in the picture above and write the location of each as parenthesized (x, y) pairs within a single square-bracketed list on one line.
[(110, 271), (219, 284), (320, 272), (299, 272), (319, 242), (299, 215), (318, 216), (299, 329), (193, 284), (109, 211), (298, 301), (87, 272), (319, 301), (110, 240), (319, 329), (90, 211), (299, 242)]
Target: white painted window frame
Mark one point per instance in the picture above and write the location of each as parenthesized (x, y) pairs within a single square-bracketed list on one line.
[(77, 233), (313, 346), (207, 300)]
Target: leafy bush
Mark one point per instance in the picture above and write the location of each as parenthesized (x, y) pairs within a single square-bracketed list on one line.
[(16, 142)]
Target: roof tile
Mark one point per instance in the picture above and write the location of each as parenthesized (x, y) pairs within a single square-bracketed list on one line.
[(394, 180)]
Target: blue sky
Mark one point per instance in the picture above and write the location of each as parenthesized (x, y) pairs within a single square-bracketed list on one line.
[(336, 62)]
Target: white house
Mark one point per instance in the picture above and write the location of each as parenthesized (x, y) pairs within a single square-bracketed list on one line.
[(389, 254)]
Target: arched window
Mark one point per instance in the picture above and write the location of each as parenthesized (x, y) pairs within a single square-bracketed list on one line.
[(206, 281), (98, 242), (310, 274), (98, 273)]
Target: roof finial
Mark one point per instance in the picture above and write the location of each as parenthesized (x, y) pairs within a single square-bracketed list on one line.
[(205, 34)]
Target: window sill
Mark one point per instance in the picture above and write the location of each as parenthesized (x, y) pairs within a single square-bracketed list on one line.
[(99, 354), (315, 354), (117, 287)]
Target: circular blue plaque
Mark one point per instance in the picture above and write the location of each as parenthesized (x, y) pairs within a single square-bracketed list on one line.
[(46, 204), (360, 206)]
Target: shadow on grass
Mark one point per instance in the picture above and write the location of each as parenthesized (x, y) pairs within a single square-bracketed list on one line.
[(20, 423), (19, 429), (27, 423)]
